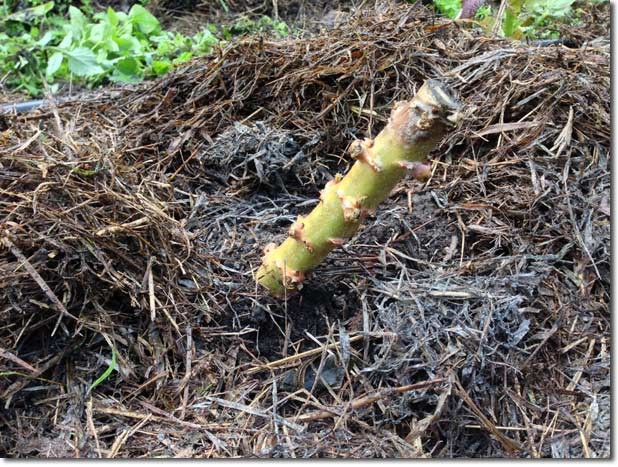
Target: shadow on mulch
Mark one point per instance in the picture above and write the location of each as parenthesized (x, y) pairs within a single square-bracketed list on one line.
[(468, 318)]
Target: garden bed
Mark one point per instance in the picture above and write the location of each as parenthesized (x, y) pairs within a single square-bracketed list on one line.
[(470, 317)]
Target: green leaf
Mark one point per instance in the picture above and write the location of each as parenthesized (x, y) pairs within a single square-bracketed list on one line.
[(559, 8), (101, 59), (127, 70), (106, 373), (160, 67), (78, 22), (482, 13), (42, 10), (204, 41), (129, 44), (82, 62), (128, 66), (510, 24), (165, 47), (53, 64), (28, 14), (121, 78), (515, 6), (109, 45), (143, 19), (112, 17), (182, 58), (77, 18), (97, 32), (449, 8), (47, 37), (122, 17), (66, 41), (281, 28)]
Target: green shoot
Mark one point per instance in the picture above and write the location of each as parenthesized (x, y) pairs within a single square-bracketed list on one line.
[(106, 373)]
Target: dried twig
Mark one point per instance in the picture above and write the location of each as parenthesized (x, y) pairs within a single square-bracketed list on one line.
[(364, 401)]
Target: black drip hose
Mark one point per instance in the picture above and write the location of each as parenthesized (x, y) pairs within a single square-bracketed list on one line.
[(21, 107)]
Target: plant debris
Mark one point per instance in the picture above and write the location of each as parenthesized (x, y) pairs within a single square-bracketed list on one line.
[(470, 318)]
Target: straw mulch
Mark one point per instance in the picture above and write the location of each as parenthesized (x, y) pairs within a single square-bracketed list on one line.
[(470, 317)]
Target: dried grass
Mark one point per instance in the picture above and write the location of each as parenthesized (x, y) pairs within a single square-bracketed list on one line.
[(133, 221)]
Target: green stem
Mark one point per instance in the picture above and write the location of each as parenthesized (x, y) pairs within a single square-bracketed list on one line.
[(413, 130)]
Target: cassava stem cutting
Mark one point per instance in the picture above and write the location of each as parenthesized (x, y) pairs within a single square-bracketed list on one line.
[(413, 129)]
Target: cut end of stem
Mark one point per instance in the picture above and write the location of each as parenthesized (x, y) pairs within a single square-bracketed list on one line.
[(414, 128)]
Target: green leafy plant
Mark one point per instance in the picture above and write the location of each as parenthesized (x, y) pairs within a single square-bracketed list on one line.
[(38, 45), (120, 46), (482, 13), (536, 19), (251, 26), (449, 8)]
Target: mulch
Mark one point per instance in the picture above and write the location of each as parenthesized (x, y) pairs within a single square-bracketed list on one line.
[(469, 318)]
